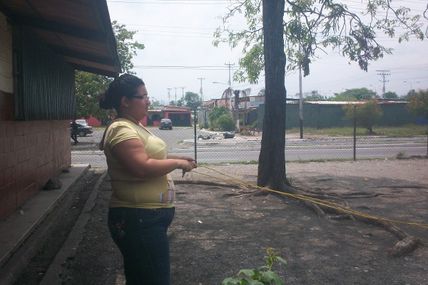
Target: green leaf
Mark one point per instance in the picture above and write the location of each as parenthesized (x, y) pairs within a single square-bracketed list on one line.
[(270, 277), (281, 260), (247, 272), (255, 282)]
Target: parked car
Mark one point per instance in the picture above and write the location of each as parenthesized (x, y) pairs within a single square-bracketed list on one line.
[(229, 135), (83, 129), (165, 124)]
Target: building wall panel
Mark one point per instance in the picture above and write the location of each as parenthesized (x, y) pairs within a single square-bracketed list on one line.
[(31, 152), (6, 76), (45, 89)]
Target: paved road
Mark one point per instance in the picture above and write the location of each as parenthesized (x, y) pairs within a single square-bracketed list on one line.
[(239, 149)]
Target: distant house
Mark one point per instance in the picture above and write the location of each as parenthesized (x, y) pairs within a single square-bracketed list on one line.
[(41, 44), (251, 102), (180, 116), (247, 102), (222, 102)]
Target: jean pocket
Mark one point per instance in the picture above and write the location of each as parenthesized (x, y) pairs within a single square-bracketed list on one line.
[(116, 225)]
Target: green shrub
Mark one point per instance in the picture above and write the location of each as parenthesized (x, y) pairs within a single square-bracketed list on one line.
[(263, 275), (216, 113), (418, 103), (225, 123), (367, 114)]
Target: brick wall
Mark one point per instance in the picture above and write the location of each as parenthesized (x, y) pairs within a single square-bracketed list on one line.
[(30, 153)]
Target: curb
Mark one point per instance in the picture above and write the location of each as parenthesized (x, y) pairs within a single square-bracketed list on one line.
[(15, 254), (68, 249)]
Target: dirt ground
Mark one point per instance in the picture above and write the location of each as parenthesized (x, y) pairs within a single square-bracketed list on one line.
[(219, 230)]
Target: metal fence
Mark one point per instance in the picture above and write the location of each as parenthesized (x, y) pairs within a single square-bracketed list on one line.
[(213, 147)]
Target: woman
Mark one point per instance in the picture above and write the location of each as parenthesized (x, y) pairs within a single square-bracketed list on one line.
[(141, 206)]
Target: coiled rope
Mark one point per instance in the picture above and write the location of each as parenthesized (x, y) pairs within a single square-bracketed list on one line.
[(328, 204)]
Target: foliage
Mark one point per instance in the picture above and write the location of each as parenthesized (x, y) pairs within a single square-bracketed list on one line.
[(220, 118), (126, 47), (366, 115), (192, 100), (313, 25), (355, 94), (315, 96), (89, 86), (418, 103), (390, 95), (263, 275), (409, 94), (154, 104), (216, 113), (225, 123)]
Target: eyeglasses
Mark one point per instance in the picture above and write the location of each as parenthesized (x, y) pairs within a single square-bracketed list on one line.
[(141, 97)]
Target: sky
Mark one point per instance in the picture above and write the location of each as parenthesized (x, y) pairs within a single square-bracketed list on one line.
[(179, 51)]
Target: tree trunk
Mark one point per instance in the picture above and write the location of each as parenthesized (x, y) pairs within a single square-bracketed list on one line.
[(271, 170)]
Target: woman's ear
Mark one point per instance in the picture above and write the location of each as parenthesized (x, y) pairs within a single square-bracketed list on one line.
[(124, 102)]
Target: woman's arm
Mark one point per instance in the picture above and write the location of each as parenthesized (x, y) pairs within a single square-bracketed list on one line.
[(132, 155)]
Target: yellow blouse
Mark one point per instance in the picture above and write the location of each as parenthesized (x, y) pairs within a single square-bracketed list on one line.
[(130, 191)]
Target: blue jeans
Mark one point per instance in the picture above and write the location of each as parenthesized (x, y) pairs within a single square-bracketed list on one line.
[(141, 235)]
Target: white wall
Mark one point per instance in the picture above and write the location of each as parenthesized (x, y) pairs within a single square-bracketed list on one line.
[(6, 79)]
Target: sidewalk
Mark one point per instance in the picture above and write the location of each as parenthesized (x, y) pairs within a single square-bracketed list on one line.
[(15, 230)]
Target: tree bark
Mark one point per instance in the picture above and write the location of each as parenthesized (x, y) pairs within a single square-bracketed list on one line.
[(271, 169)]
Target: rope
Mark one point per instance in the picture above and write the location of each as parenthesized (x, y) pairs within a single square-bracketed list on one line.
[(228, 178)]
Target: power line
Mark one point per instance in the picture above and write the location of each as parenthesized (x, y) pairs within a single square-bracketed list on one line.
[(168, 2), (197, 67), (174, 28)]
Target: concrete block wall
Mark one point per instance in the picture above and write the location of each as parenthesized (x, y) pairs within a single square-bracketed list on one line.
[(31, 152)]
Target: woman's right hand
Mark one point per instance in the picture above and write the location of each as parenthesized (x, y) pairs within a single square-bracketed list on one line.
[(186, 165)]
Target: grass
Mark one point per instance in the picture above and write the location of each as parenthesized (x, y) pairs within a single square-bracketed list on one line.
[(401, 131)]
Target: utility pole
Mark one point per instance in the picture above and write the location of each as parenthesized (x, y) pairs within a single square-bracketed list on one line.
[(236, 109), (169, 95), (201, 90), (182, 92), (230, 67), (300, 102), (300, 90), (229, 83), (383, 73)]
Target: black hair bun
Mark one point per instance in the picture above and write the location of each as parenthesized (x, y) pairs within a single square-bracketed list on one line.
[(105, 102), (125, 85)]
